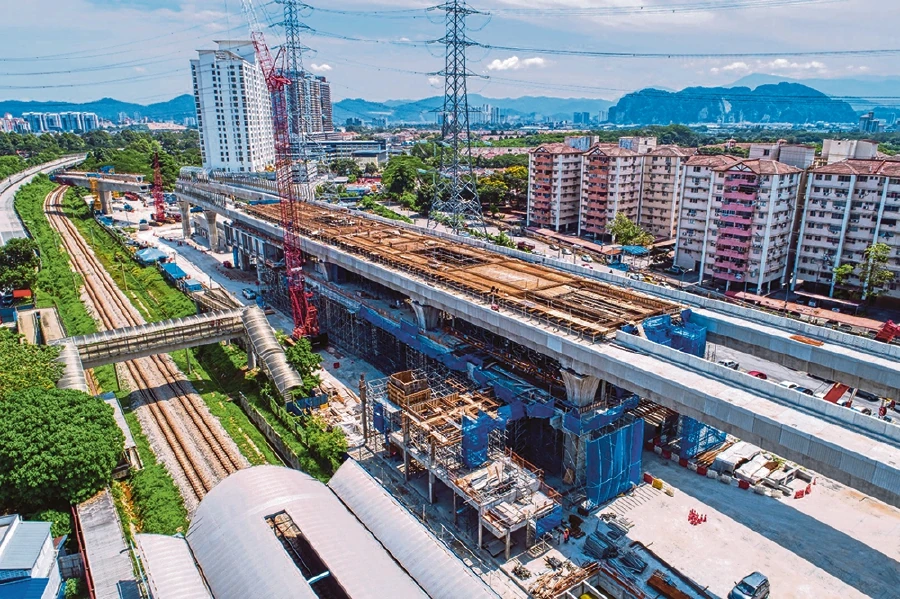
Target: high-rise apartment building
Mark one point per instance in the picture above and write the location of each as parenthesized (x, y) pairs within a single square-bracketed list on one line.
[(234, 112), (53, 121), (71, 121), (317, 89), (11, 124), (611, 183), (662, 186), (36, 121), (90, 121), (736, 220), (641, 145), (850, 205), (554, 187)]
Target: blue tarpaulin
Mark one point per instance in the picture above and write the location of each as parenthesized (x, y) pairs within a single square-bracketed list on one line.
[(541, 410), (378, 420), (172, 271), (475, 432), (579, 424), (689, 338), (697, 437), (613, 462), (150, 256), (548, 522)]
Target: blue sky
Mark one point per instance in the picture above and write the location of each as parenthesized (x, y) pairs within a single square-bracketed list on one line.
[(138, 50)]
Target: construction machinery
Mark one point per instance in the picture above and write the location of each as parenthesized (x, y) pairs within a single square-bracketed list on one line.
[(306, 322), (159, 200)]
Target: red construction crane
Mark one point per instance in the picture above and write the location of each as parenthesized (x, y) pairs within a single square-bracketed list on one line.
[(306, 320), (159, 200)]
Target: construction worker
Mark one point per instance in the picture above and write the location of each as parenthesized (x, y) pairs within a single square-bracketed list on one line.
[(566, 535)]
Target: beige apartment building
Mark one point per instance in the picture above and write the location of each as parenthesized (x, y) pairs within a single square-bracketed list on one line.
[(661, 190), (611, 183), (554, 187), (850, 206)]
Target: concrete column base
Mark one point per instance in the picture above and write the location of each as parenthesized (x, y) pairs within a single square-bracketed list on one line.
[(213, 231), (185, 219), (427, 317), (580, 388)]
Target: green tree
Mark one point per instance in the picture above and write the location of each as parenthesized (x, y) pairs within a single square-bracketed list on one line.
[(873, 270), (492, 191), (371, 168), (57, 447), (842, 273), (302, 357), (345, 167), (625, 232), (24, 365), (401, 175), (516, 179), (18, 264)]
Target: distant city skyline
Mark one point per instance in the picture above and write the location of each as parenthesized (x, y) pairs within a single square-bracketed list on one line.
[(139, 50)]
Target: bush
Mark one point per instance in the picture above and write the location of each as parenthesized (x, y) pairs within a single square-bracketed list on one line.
[(23, 365), (57, 447), (60, 522), (74, 588)]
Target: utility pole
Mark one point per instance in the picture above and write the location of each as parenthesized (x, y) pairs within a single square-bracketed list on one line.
[(456, 196)]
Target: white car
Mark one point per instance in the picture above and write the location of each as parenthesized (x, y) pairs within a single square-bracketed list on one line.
[(554, 247), (788, 384), (586, 258), (566, 252)]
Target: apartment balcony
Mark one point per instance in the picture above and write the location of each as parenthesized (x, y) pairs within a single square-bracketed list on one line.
[(735, 220), (735, 277), (739, 196), (738, 206), (733, 242), (736, 231), (728, 252)]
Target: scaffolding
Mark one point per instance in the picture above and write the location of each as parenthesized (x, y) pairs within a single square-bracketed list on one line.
[(697, 437), (437, 419)]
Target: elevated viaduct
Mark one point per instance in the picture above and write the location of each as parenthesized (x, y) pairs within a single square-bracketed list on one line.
[(573, 319), (106, 185)]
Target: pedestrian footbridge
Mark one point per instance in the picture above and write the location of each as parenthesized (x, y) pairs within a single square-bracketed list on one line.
[(119, 345)]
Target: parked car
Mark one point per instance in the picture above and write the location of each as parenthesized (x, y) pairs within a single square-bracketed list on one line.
[(758, 374), (676, 270), (586, 258), (729, 364), (566, 252), (789, 384), (554, 247), (248, 293), (862, 410), (753, 586), (866, 395), (804, 390)]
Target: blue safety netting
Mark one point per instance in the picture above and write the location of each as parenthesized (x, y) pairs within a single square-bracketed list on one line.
[(548, 522), (697, 437), (613, 462), (378, 420), (513, 410), (299, 406), (579, 424), (475, 433), (688, 337)]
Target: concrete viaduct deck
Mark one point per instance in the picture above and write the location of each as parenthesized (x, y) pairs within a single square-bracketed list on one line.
[(854, 449), (119, 345), (106, 184)]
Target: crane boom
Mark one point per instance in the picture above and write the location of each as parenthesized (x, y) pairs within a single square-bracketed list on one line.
[(159, 200), (306, 321)]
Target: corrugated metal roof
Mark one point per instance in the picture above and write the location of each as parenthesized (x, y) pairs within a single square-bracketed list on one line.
[(429, 562), (107, 555), (30, 588), (241, 557), (22, 549), (170, 568)]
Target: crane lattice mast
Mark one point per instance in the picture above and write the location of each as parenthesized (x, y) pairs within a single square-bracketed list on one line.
[(306, 321)]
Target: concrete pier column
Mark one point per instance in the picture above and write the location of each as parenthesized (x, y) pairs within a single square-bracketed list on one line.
[(427, 317), (580, 388), (508, 544), (185, 219), (105, 201), (573, 459), (213, 231), (251, 360)]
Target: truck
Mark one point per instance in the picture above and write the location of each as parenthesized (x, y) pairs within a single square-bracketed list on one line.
[(525, 246)]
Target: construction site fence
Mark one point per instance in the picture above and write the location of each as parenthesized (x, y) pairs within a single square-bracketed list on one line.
[(613, 461)]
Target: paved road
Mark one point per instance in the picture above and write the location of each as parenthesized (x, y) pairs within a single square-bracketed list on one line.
[(10, 225)]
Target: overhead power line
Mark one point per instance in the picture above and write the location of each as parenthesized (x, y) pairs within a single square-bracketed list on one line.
[(663, 8)]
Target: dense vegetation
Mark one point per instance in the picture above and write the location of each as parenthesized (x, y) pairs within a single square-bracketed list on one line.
[(23, 365), (127, 151), (57, 446), (301, 356), (18, 264)]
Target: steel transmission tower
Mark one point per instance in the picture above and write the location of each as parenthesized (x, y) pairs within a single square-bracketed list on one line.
[(299, 97), (456, 196)]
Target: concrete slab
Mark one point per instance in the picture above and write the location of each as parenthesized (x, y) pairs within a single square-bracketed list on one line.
[(835, 542)]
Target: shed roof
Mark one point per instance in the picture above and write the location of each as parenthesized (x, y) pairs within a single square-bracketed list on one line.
[(173, 270), (170, 568), (240, 556), (28, 588), (428, 561), (22, 545)]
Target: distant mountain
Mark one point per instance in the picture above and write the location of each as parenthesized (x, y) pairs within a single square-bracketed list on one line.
[(781, 103), (857, 91), (108, 108), (423, 111)]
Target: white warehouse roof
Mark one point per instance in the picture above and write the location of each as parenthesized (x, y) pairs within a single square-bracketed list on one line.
[(241, 556)]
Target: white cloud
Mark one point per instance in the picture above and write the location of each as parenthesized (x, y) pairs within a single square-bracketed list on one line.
[(434, 81), (514, 63), (320, 68), (140, 70), (779, 66)]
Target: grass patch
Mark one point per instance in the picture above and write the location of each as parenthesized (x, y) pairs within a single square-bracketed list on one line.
[(382, 210), (145, 286)]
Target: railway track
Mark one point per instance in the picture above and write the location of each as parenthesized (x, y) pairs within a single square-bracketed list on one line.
[(202, 451)]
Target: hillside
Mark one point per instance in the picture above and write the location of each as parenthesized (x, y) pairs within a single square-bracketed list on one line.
[(175, 109), (779, 103), (856, 91)]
